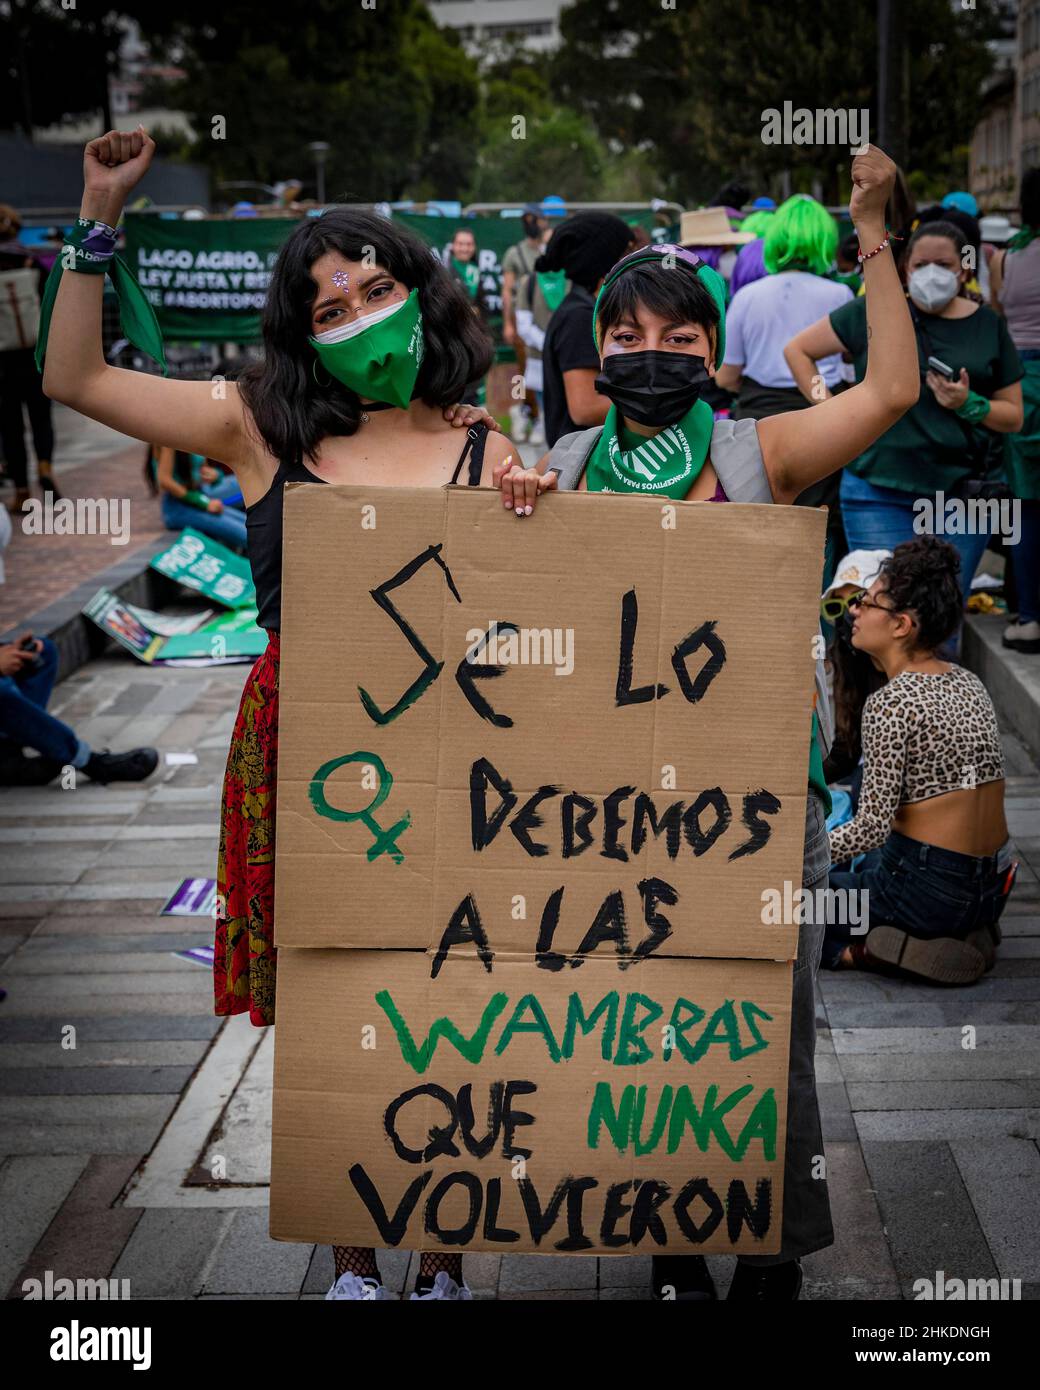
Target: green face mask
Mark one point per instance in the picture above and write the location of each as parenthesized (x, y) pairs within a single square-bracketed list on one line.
[(377, 356)]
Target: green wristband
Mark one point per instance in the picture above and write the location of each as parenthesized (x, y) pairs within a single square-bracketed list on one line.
[(194, 498), (974, 409)]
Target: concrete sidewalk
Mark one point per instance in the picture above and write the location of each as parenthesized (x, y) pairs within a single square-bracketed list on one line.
[(108, 1145)]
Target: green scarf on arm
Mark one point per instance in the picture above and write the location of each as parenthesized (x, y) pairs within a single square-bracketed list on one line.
[(136, 314)]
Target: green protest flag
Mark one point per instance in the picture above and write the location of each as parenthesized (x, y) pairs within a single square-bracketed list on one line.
[(200, 563), (494, 236), (206, 280)]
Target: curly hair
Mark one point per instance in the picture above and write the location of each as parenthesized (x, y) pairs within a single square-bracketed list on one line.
[(921, 577)]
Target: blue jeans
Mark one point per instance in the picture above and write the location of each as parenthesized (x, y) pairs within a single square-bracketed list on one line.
[(880, 518), (229, 527), (925, 890), (24, 721), (228, 489)]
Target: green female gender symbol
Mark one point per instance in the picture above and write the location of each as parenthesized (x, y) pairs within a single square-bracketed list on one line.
[(384, 841)]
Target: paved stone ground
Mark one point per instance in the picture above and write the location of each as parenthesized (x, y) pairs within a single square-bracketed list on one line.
[(90, 461), (931, 1146)]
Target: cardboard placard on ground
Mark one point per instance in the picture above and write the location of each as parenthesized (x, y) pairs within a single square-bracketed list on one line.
[(555, 860)]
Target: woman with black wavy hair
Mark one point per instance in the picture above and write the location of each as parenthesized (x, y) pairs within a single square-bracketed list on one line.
[(930, 816), (367, 344)]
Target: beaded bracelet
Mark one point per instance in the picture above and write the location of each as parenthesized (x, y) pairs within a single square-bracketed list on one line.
[(876, 251)]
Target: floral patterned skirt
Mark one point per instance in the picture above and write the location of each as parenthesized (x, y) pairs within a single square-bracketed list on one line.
[(244, 954)]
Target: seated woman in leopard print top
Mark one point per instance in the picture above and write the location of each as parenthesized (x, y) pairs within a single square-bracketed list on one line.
[(930, 816)]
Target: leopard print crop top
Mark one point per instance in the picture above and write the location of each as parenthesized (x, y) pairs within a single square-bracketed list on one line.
[(923, 735)]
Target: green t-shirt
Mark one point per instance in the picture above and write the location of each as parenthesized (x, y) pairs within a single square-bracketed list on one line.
[(927, 449)]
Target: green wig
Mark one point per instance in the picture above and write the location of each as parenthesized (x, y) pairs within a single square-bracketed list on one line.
[(758, 222), (802, 236)]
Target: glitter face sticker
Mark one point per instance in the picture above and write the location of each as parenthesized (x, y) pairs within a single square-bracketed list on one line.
[(341, 280)]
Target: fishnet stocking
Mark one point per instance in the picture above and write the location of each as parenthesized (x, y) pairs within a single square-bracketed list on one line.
[(355, 1259), (431, 1262)]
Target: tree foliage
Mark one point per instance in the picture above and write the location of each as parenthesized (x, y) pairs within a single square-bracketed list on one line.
[(692, 82)]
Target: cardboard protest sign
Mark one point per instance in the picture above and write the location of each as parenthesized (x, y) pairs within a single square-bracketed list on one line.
[(535, 783)]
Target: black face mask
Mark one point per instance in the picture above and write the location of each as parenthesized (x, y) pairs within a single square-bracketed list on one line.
[(653, 388)]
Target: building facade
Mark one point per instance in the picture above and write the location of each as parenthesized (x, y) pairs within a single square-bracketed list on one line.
[(534, 23)]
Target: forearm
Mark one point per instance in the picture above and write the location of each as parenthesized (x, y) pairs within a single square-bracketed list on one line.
[(805, 372), (892, 352), (74, 352), (1005, 417)]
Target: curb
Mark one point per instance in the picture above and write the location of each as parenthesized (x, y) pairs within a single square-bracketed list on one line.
[(1012, 678), (77, 638)]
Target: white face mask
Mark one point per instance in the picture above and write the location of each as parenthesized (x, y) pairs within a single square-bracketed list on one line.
[(342, 332), (727, 261), (933, 286)]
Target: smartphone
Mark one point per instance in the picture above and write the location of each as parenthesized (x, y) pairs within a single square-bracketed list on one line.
[(27, 643), (941, 367)]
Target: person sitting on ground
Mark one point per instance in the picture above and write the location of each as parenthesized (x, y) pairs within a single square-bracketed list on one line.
[(28, 666), (930, 818), (195, 493)]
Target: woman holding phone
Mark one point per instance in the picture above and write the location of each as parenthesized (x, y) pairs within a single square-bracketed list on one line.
[(972, 395), (659, 329)]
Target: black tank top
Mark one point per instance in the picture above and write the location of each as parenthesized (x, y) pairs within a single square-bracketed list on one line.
[(264, 525)]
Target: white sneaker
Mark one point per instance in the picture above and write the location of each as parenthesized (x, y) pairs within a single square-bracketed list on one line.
[(519, 422), (537, 435), (1022, 637), (444, 1286), (351, 1286)]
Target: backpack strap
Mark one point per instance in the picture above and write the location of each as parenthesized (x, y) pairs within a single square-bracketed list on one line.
[(569, 455), (476, 440), (736, 456)]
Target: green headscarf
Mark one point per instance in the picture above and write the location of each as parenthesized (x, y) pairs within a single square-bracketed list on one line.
[(674, 257)]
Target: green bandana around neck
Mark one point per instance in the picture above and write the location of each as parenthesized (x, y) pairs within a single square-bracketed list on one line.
[(140, 325), (469, 275), (1022, 238), (378, 360), (553, 285), (663, 465)]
